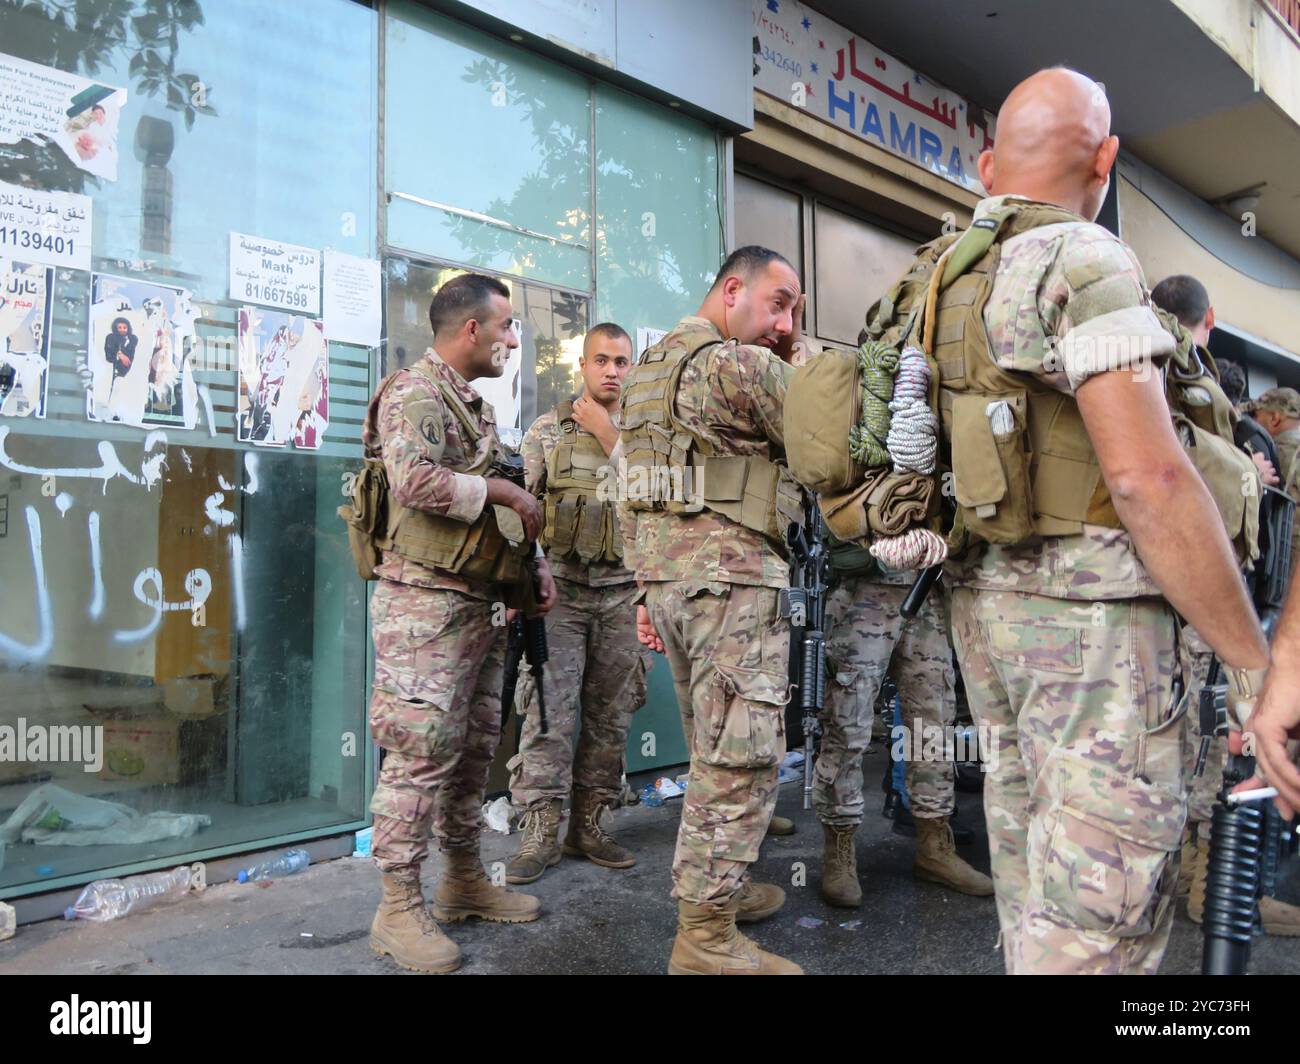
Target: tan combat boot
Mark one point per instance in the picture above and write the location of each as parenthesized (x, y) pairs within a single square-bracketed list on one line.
[(1279, 918), (937, 860), (758, 901), (586, 838), (780, 825), (538, 849), (404, 930), (708, 943), (840, 884), (465, 890)]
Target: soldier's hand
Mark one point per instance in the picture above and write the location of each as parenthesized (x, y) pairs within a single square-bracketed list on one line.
[(1275, 726), (546, 593), (1267, 471), (645, 631), (594, 418), (500, 492)]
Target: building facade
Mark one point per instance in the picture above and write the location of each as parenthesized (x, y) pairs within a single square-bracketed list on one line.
[(219, 230)]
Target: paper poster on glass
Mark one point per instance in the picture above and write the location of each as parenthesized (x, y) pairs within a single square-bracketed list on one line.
[(25, 289), (42, 104), (141, 334), (503, 391), (283, 379)]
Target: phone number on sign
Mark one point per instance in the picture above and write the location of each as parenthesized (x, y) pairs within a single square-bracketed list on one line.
[(279, 297), (35, 240)]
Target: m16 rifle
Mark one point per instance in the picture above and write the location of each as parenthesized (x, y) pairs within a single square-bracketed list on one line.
[(1244, 836), (804, 604), (525, 635)]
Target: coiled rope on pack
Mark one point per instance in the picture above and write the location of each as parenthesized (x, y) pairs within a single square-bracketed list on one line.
[(878, 363), (913, 439), (917, 548)]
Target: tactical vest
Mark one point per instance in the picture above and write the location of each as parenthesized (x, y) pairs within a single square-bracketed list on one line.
[(578, 524), (669, 469), (481, 552), (1031, 469)]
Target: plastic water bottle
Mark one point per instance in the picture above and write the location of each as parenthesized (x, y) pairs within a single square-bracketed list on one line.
[(285, 864), (650, 795), (109, 899)]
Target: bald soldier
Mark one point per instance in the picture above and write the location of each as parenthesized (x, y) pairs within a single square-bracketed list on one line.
[(597, 665), (1077, 550), (708, 500)]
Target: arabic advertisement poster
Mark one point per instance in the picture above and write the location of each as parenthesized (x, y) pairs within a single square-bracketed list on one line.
[(39, 103), (353, 299), (25, 307), (283, 379), (802, 57), (141, 334), (49, 227), (275, 274)]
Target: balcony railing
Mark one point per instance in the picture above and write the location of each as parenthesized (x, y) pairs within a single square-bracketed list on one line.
[(1290, 12)]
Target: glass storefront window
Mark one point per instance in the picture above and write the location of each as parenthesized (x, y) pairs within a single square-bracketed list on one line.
[(658, 212), (852, 260), (552, 326), (179, 601), (500, 136)]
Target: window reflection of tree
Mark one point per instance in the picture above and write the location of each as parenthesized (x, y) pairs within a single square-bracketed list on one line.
[(629, 185), (84, 38)]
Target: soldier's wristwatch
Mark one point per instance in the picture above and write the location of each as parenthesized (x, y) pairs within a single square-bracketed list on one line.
[(1244, 686)]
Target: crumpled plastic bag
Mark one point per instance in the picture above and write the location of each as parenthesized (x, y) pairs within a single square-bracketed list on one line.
[(54, 816), (500, 815)]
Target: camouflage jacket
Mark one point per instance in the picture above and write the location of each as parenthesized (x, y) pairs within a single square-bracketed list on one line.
[(731, 395), (1058, 290), (424, 449), (539, 442)]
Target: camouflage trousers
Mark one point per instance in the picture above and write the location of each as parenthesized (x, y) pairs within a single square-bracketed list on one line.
[(729, 651), (1202, 790), (864, 633), (596, 663), (1085, 808), (436, 711)]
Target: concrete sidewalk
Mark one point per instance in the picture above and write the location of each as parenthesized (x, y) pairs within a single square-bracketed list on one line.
[(595, 920)]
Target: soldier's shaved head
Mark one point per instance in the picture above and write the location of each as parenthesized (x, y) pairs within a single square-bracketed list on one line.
[(1053, 143)]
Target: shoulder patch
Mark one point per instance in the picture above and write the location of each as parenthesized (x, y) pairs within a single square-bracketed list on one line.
[(426, 417)]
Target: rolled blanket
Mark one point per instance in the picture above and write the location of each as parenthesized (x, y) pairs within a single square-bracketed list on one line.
[(897, 501), (845, 512), (917, 548), (878, 363)]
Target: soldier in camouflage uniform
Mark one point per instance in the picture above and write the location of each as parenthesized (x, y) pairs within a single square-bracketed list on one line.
[(865, 634), (1067, 648), (1187, 299), (438, 633), (596, 661), (1278, 410), (705, 501)]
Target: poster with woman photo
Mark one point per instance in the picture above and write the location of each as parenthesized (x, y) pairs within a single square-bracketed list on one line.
[(283, 379), (140, 339), (24, 337)]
